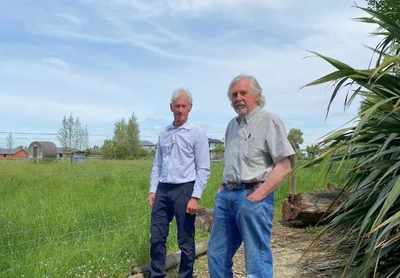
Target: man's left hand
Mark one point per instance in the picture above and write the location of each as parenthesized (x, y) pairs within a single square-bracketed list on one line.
[(192, 206)]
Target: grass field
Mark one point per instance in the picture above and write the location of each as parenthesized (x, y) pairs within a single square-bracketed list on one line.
[(90, 220)]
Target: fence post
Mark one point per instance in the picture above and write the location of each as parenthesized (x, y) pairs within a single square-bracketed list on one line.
[(292, 178)]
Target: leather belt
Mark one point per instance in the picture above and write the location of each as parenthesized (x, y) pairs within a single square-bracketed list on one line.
[(242, 186)]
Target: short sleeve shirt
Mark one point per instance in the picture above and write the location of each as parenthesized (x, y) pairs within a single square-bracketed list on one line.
[(253, 144)]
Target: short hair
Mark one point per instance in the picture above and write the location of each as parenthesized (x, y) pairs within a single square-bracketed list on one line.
[(181, 92), (254, 85)]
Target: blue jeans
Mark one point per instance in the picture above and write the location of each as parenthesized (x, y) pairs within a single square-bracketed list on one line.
[(237, 220)]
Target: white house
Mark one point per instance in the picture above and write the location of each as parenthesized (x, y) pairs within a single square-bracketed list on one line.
[(147, 145), (212, 143)]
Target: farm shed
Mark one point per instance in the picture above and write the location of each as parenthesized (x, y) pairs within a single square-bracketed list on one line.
[(71, 155), (18, 153), (42, 149)]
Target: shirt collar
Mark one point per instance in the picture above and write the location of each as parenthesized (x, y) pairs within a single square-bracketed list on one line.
[(187, 126), (250, 116)]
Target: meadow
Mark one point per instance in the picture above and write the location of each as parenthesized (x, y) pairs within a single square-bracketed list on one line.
[(92, 219)]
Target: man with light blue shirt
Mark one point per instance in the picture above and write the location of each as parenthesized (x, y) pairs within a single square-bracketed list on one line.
[(257, 159), (179, 175)]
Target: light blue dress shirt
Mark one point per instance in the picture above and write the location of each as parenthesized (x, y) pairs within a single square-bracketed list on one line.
[(182, 156)]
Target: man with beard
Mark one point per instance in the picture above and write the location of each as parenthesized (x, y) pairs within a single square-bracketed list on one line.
[(257, 159)]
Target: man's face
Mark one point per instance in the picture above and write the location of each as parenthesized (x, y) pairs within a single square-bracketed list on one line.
[(181, 108), (243, 99)]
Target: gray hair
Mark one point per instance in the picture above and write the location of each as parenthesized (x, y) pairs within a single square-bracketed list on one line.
[(181, 92), (256, 88)]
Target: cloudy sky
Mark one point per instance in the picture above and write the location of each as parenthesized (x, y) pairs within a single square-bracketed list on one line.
[(103, 60)]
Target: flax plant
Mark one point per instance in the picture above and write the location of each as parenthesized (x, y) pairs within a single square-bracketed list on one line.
[(368, 224)]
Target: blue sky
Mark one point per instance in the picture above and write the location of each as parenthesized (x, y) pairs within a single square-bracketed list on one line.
[(104, 60)]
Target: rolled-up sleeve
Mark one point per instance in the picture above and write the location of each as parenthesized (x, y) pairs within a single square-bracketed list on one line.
[(278, 144)]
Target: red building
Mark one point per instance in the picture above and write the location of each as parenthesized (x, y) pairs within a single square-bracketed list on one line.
[(13, 154)]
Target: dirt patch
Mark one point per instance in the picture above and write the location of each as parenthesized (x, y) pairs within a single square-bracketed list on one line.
[(288, 245)]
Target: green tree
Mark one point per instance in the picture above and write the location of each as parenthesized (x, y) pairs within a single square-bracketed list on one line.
[(295, 137), (125, 142), (218, 151), (369, 222), (107, 150), (126, 138), (72, 134), (312, 151), (133, 132), (93, 151), (218, 148), (389, 7)]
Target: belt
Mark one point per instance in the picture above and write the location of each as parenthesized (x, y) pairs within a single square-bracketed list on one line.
[(242, 186)]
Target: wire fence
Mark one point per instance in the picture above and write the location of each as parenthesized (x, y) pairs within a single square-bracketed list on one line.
[(89, 220)]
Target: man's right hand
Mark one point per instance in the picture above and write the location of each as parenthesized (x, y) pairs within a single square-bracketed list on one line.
[(221, 187), (151, 198)]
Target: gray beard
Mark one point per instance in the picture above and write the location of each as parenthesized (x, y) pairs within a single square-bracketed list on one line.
[(241, 111)]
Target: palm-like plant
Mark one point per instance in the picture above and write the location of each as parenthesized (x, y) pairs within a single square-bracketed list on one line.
[(369, 222)]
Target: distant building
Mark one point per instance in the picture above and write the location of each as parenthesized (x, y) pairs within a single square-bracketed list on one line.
[(212, 144), (13, 153), (147, 145), (42, 149), (70, 155)]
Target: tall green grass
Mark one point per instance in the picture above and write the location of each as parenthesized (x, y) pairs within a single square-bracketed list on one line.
[(65, 220), (89, 220)]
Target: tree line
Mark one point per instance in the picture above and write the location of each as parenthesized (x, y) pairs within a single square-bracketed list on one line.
[(125, 143)]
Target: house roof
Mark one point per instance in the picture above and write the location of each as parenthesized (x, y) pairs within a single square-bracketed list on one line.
[(67, 150), (13, 151), (146, 144), (210, 140)]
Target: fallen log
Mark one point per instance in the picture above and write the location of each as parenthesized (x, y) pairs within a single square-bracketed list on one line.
[(311, 208), (204, 220), (172, 260)]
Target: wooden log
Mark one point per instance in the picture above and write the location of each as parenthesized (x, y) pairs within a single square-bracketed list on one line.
[(172, 260), (205, 219), (311, 208)]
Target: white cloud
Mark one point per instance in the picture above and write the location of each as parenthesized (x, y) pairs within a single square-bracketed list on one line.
[(43, 109), (103, 60), (57, 62), (72, 19)]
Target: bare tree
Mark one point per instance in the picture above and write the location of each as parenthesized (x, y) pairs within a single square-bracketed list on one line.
[(72, 134), (10, 141)]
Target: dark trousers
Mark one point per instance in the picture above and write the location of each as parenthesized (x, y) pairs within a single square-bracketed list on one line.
[(171, 200)]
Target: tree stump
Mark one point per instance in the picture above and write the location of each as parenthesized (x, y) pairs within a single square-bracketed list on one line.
[(312, 208)]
